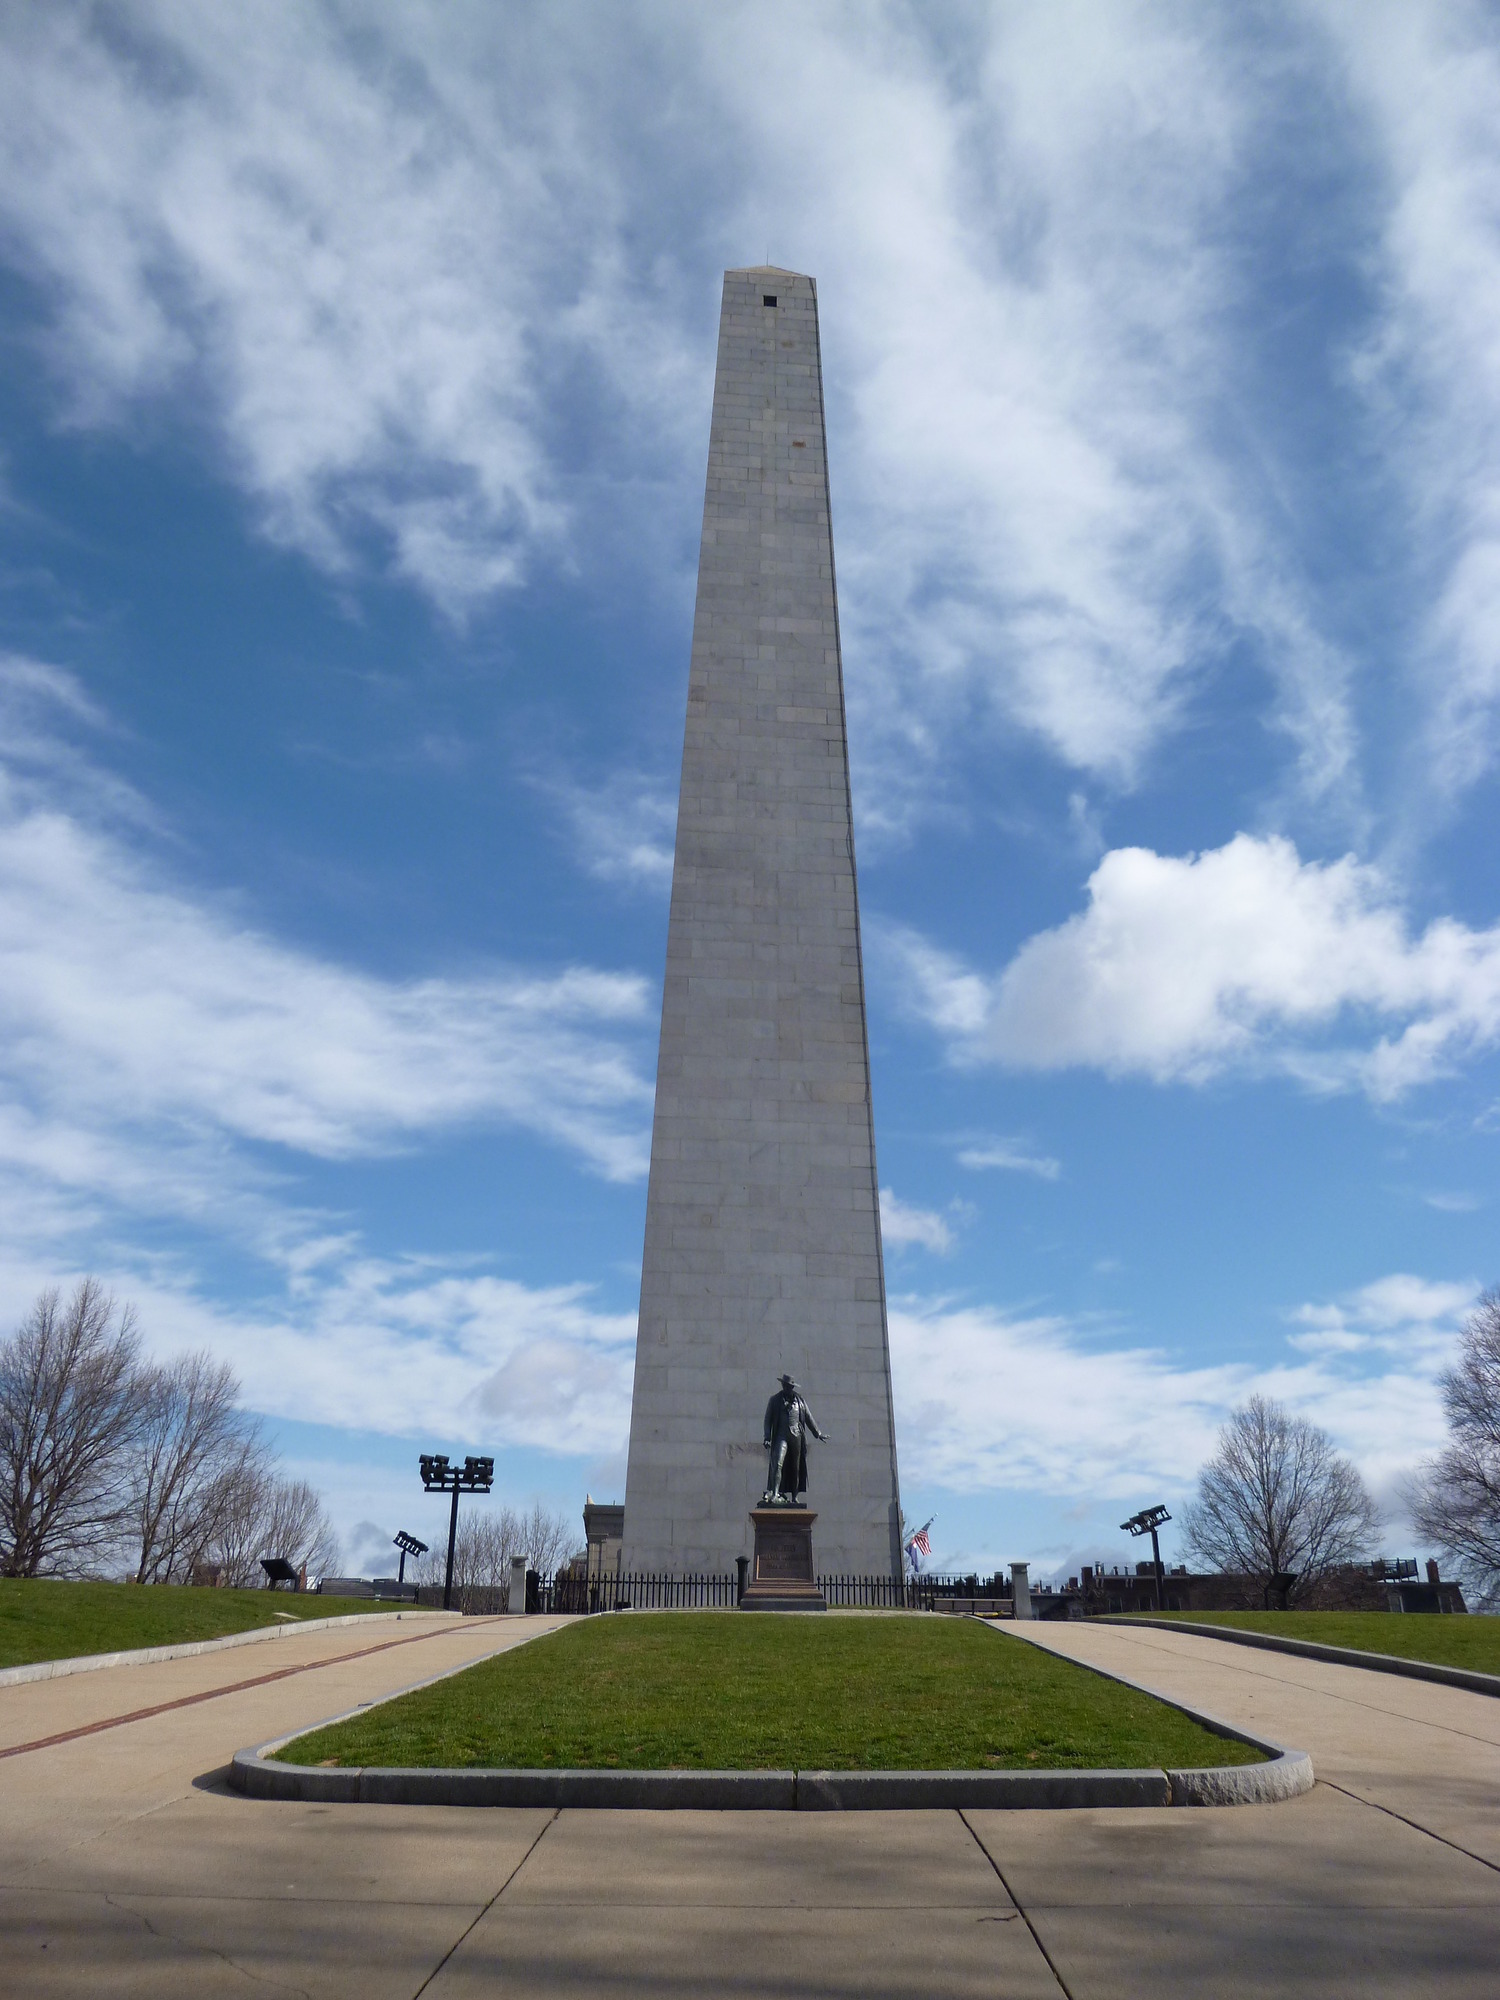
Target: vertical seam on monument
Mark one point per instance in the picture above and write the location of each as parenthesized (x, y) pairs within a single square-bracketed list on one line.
[(859, 949)]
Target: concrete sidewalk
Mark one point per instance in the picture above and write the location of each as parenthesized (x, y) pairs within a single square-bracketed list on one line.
[(1382, 1881), (126, 1868)]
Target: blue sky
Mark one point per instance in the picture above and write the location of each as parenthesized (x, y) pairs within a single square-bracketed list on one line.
[(355, 404)]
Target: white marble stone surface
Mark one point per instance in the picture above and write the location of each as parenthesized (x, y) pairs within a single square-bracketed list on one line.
[(762, 1247)]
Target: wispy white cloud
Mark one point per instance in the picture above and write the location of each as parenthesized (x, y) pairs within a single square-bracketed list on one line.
[(1030, 341), (1009, 1156), (903, 1225), (375, 254), (623, 830), (147, 1034), (1400, 1314), (407, 1347), (1454, 1202), (118, 990), (433, 284), (1426, 81), (441, 288), (996, 1401), (1244, 956)]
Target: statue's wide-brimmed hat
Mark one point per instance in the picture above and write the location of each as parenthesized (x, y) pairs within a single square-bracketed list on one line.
[(787, 1382)]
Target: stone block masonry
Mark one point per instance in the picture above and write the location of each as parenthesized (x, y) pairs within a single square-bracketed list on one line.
[(762, 1249)]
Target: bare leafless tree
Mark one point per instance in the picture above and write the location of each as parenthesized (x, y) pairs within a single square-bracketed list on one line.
[(257, 1514), (194, 1447), (546, 1538), (488, 1537), (1276, 1500), (296, 1526), (237, 1505), (1456, 1502), (71, 1406)]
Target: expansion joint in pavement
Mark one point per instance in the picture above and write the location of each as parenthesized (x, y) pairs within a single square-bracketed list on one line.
[(1024, 1913), (128, 1909), (542, 1833), (1415, 1825)]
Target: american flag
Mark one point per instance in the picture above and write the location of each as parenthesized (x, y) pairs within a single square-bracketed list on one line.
[(918, 1544)]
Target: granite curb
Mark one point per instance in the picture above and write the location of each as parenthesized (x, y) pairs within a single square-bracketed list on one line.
[(1284, 1775), (189, 1649), (1313, 1649)]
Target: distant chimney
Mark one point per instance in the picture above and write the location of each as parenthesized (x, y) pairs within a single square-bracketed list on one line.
[(1432, 1571)]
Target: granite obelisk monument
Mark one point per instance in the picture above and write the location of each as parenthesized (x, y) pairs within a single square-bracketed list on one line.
[(762, 1253)]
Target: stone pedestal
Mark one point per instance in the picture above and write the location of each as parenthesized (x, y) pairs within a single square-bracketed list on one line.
[(782, 1577)]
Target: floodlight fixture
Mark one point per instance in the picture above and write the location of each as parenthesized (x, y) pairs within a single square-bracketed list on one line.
[(475, 1475), (409, 1546), (1146, 1523)]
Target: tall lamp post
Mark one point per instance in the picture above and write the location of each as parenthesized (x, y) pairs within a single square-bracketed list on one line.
[(1146, 1523), (475, 1475), (409, 1546)]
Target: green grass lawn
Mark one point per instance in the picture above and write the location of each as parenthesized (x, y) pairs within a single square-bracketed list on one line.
[(716, 1691), (45, 1620), (1452, 1642)]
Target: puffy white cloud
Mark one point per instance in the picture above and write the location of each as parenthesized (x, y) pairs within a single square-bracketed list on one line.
[(902, 1225), (1181, 967)]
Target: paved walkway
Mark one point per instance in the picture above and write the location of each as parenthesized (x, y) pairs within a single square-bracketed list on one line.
[(1384, 1880), (127, 1868)]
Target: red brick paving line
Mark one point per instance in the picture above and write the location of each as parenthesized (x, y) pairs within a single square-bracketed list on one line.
[(213, 1694)]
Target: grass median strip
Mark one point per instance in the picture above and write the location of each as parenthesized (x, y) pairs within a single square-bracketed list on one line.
[(720, 1692), (46, 1619), (1471, 1642)]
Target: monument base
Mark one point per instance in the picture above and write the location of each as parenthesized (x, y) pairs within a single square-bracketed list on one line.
[(782, 1577)]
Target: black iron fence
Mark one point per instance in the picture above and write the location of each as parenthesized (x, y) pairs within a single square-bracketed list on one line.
[(664, 1592), (655, 1592)]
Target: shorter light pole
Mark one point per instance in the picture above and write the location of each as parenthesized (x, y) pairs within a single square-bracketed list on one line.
[(475, 1475), (409, 1546), (1146, 1523)]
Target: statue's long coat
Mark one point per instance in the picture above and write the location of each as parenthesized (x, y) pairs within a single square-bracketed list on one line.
[(779, 1426)]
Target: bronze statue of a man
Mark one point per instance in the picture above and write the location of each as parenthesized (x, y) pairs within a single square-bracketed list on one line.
[(788, 1421)]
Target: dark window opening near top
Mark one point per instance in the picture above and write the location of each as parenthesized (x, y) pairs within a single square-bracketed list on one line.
[(768, 298)]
